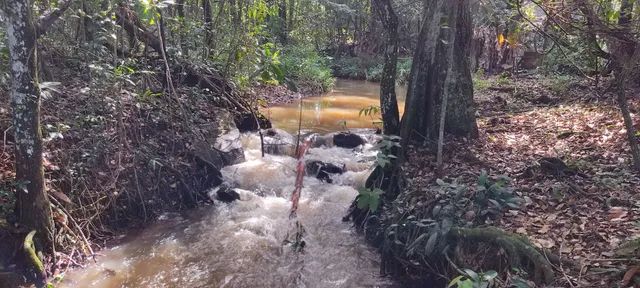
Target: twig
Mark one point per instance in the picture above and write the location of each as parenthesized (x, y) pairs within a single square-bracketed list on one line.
[(566, 277), (4, 146), (144, 208)]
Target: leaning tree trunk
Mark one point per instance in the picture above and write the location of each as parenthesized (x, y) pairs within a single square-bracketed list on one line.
[(32, 206), (388, 102), (429, 71)]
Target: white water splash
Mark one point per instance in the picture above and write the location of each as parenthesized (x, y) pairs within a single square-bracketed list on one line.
[(240, 244)]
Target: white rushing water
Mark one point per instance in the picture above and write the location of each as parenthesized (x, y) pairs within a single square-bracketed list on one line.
[(240, 244)]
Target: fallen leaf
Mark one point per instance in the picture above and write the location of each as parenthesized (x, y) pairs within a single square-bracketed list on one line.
[(617, 214)]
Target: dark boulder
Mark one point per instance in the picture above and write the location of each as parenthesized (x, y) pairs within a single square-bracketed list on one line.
[(322, 170), (347, 140), (246, 122), (224, 194)]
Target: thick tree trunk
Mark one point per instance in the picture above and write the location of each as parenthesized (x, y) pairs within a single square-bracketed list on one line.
[(388, 102), (429, 71), (32, 207)]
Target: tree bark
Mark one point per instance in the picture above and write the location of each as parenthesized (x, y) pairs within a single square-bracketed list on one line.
[(283, 31), (180, 10), (429, 71), (445, 95), (208, 20), (32, 206), (388, 101), (626, 57)]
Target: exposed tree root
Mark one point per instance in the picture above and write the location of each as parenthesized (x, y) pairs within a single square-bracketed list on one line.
[(30, 250), (517, 247)]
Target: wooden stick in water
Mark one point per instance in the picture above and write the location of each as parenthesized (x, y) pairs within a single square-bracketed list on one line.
[(295, 197)]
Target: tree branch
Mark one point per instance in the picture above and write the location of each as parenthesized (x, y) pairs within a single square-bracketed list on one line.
[(46, 20)]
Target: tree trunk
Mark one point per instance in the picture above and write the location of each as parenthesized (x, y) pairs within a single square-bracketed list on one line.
[(429, 71), (180, 10), (388, 102), (283, 31), (32, 206), (208, 20), (628, 121), (290, 18), (445, 95), (626, 56)]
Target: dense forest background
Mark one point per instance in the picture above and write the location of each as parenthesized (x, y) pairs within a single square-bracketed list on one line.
[(520, 115)]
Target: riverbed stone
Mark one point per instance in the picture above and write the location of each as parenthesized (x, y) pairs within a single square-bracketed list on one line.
[(224, 193), (322, 141), (279, 142), (221, 145), (348, 140), (323, 170)]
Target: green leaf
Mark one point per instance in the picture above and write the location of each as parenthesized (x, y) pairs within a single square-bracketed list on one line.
[(363, 201), (489, 275), (483, 179), (374, 202), (431, 243), (472, 274)]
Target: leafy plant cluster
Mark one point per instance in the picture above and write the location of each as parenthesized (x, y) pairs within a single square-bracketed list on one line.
[(418, 222), (403, 69), (493, 195), (369, 198), (303, 64), (472, 279), (371, 112)]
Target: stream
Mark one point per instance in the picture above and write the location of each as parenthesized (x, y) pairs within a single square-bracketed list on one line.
[(240, 244)]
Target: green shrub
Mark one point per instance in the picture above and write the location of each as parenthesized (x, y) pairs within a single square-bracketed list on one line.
[(404, 70), (355, 67), (479, 81), (303, 65)]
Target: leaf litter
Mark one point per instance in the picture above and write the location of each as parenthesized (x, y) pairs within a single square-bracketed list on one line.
[(582, 217)]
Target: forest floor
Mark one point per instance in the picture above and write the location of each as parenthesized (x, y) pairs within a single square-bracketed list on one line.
[(581, 216)]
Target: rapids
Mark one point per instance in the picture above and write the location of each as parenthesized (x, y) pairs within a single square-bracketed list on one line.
[(240, 244)]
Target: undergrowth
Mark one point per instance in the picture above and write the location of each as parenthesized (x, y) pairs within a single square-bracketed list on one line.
[(305, 66), (369, 68)]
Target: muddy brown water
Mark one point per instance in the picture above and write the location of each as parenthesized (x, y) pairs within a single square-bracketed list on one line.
[(241, 244), (335, 110)]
